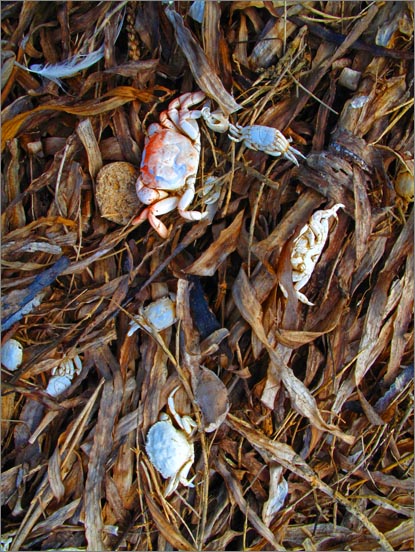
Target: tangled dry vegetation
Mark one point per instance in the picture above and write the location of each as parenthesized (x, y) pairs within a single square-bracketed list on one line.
[(305, 426)]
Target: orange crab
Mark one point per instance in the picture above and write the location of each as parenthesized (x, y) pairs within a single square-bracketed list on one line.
[(170, 162)]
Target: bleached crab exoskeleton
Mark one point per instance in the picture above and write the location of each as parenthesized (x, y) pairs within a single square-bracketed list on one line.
[(170, 162), (158, 315), (307, 248), (266, 139), (171, 450), (68, 367), (57, 385), (12, 354)]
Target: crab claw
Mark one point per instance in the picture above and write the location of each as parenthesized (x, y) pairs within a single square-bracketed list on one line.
[(215, 120), (149, 213), (291, 153)]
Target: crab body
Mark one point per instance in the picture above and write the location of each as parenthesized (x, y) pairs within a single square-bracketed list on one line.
[(170, 450), (266, 139), (170, 162), (308, 247)]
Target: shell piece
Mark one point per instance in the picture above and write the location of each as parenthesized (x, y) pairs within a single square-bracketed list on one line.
[(57, 385), (349, 78), (404, 183), (115, 192), (12, 354), (169, 449)]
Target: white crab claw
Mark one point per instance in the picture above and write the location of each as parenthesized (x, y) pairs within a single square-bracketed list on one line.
[(215, 120)]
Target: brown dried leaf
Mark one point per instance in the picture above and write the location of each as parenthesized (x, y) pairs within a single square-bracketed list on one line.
[(54, 475), (362, 214), (278, 491), (57, 519), (202, 71), (208, 263), (7, 408), (289, 459), (87, 137), (237, 494), (301, 399), (371, 341), (15, 217), (108, 411), (118, 97), (212, 397), (166, 528), (403, 317)]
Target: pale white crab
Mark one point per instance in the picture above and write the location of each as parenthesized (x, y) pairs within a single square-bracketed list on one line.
[(171, 450), (266, 139), (63, 374), (308, 247), (170, 162), (158, 315), (68, 367)]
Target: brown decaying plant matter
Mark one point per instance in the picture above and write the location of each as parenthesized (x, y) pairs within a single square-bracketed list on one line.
[(309, 409)]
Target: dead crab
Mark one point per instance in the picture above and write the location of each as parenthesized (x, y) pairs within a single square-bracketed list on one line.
[(308, 247), (170, 450), (170, 162), (266, 139), (158, 315)]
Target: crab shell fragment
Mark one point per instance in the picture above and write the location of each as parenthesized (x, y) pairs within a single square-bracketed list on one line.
[(404, 183), (170, 452), (57, 385), (11, 354), (308, 247)]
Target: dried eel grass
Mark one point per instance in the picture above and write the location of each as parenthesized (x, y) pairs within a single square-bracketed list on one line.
[(317, 449)]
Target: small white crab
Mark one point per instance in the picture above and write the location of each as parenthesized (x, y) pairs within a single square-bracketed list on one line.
[(170, 162), (308, 247), (158, 315), (68, 367), (266, 139), (170, 450), (63, 374)]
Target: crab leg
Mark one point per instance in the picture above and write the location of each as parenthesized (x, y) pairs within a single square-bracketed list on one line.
[(185, 422), (184, 202)]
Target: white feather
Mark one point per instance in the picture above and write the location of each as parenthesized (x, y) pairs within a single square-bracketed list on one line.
[(67, 68)]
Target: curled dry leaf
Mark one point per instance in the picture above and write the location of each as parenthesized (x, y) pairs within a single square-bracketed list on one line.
[(202, 71), (301, 398), (212, 397), (278, 490), (208, 263)]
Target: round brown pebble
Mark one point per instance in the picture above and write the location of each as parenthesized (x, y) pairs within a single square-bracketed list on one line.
[(115, 192)]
